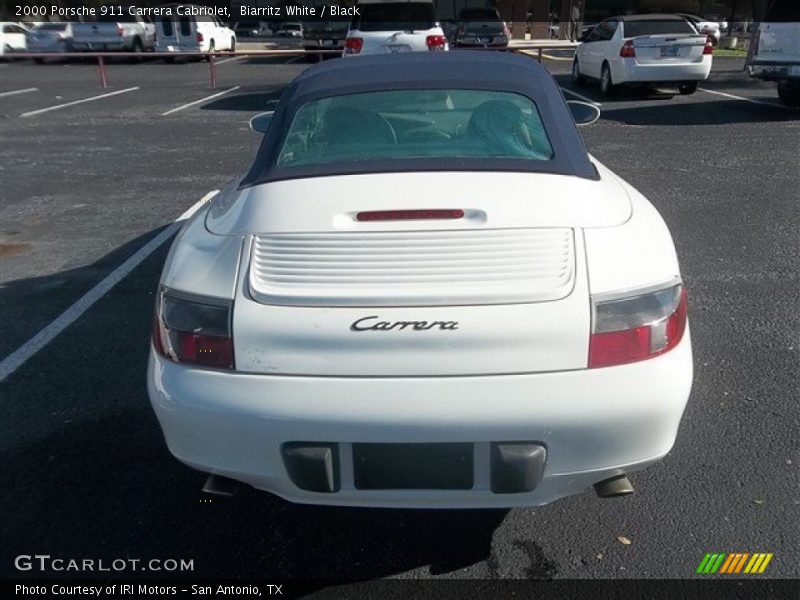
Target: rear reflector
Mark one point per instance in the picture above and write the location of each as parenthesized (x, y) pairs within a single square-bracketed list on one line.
[(194, 330), (637, 327), (410, 215)]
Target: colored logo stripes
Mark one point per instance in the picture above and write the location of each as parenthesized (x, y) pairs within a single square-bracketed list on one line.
[(735, 562)]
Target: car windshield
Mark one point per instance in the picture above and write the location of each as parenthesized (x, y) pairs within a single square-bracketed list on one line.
[(405, 124), (661, 27), (395, 16)]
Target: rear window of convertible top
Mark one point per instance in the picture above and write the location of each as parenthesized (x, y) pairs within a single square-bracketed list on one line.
[(404, 124)]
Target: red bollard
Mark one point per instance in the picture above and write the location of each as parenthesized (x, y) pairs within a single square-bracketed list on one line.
[(101, 68), (213, 66)]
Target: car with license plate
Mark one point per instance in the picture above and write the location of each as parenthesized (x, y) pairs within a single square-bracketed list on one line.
[(480, 27), (324, 35), (394, 27), (115, 32), (423, 293), (193, 33), (645, 50), (775, 55)]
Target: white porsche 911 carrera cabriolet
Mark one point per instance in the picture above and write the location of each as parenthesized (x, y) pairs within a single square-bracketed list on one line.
[(424, 293)]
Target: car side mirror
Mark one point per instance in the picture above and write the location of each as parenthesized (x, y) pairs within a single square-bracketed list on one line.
[(583, 113), (260, 123)]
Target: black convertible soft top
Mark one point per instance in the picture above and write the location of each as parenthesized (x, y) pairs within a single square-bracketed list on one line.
[(477, 70)]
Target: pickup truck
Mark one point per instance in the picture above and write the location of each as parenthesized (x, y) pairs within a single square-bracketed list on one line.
[(121, 33), (775, 50)]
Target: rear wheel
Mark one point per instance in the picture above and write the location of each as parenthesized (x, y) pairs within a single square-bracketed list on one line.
[(233, 44), (789, 93), (576, 73), (38, 61), (688, 88), (607, 86), (312, 57)]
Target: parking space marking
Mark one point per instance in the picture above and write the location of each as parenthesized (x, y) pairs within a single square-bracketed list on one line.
[(577, 95), (753, 100), (227, 60), (196, 102), (74, 102), (293, 60), (21, 355), (16, 92)]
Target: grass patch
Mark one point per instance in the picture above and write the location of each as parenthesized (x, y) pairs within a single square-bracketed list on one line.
[(735, 52)]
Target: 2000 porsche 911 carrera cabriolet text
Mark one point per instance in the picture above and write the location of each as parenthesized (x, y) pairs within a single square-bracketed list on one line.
[(424, 293)]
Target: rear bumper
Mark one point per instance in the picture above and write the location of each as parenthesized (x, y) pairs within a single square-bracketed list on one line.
[(594, 424), (629, 71), (774, 71), (101, 46)]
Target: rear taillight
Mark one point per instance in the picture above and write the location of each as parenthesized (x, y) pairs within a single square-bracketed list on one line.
[(436, 42), (200, 38), (120, 30), (194, 329), (627, 50), (410, 215), (353, 45), (709, 47), (636, 327)]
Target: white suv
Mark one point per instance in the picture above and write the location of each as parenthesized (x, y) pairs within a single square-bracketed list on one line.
[(396, 26), (776, 52)]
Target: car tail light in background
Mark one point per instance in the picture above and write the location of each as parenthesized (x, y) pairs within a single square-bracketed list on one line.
[(627, 50), (194, 329), (200, 38), (637, 326), (120, 30), (709, 47), (436, 42), (353, 45), (410, 215)]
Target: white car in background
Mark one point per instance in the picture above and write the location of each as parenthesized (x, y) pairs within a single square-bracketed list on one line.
[(193, 34), (12, 38), (424, 293), (395, 27), (775, 54), (710, 28), (654, 50)]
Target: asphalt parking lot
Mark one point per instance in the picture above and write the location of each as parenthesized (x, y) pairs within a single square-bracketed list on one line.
[(88, 185)]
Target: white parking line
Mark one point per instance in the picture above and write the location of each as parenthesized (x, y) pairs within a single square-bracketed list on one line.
[(207, 98), (15, 92), (21, 355), (73, 103), (227, 60), (294, 60), (577, 95), (753, 100)]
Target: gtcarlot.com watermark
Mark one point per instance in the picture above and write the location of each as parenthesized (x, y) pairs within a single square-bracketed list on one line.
[(47, 563)]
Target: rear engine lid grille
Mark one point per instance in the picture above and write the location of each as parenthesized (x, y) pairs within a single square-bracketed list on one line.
[(414, 268)]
